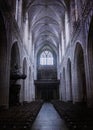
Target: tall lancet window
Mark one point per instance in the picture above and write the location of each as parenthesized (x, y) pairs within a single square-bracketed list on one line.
[(46, 58)]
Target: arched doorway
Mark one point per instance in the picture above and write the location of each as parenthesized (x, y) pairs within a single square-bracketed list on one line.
[(14, 90), (29, 86), (69, 74), (4, 88), (24, 81), (90, 54), (80, 74), (60, 90), (64, 85)]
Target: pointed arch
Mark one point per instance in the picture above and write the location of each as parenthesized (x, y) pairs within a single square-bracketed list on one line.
[(14, 90), (24, 81), (64, 84), (80, 73), (4, 86)]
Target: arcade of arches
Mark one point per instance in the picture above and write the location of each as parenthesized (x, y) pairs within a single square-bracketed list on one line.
[(46, 51)]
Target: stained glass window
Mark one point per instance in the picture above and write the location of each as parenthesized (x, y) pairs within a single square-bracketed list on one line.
[(46, 58)]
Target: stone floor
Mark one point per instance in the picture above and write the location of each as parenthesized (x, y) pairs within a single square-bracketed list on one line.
[(48, 119)]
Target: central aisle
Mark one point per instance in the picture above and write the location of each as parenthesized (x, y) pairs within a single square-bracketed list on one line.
[(48, 119)]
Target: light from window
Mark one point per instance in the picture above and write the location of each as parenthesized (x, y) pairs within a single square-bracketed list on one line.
[(46, 58)]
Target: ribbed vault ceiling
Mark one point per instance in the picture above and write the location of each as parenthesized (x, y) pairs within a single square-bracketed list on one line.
[(46, 18)]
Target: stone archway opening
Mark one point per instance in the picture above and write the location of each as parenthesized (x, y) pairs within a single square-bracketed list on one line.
[(47, 84), (80, 74), (14, 90), (30, 85), (90, 52), (4, 88), (90, 62), (24, 81), (69, 79), (64, 84)]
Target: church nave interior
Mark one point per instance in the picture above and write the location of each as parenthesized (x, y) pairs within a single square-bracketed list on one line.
[(46, 56)]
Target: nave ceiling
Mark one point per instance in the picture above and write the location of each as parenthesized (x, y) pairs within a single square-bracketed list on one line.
[(46, 20)]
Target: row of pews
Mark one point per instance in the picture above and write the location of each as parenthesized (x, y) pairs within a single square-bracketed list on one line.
[(76, 116), (20, 117)]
